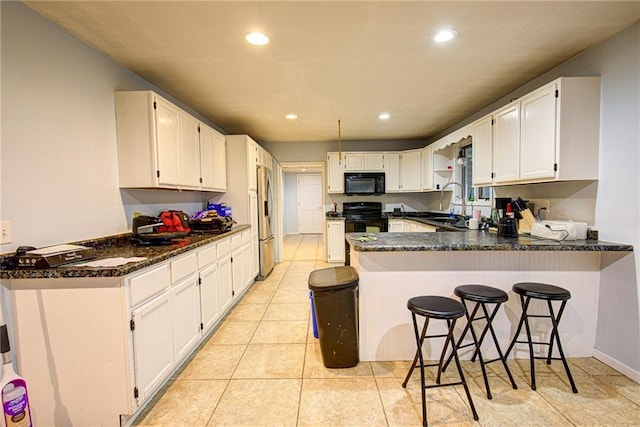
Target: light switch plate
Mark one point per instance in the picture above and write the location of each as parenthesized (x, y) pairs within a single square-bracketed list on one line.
[(5, 236)]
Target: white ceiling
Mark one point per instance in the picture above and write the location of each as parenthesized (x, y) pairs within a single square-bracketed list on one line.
[(351, 60)]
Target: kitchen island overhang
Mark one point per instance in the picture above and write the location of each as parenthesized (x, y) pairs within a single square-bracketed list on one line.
[(394, 267)]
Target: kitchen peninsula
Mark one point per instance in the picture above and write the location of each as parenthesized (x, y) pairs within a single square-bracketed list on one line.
[(394, 267)]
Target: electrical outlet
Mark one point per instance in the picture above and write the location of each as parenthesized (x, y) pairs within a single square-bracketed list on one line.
[(545, 205), (5, 237)]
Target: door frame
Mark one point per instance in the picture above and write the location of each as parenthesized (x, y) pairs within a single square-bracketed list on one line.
[(312, 168)]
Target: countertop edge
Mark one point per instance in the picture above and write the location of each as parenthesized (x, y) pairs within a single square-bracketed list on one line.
[(71, 272)]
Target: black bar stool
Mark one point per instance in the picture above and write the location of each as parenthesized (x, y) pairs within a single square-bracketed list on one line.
[(542, 291), (481, 295), (435, 307)]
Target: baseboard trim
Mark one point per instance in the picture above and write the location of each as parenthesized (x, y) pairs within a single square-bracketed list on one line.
[(617, 365)]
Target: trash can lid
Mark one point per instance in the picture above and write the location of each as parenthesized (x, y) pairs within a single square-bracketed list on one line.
[(333, 278)]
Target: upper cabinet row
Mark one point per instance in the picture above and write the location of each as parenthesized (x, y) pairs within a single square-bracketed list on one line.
[(162, 146), (405, 171), (550, 134)]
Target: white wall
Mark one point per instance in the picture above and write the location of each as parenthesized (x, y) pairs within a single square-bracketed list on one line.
[(59, 177)]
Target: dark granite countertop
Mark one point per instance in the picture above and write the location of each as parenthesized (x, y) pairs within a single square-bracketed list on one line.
[(120, 246), (471, 240)]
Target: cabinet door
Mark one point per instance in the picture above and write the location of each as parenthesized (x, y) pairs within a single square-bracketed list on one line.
[(410, 176), (335, 174), (373, 161), (189, 151), (185, 316), (506, 144), (167, 122), (210, 307), (213, 159), (225, 283), (427, 168), (335, 241), (482, 137), (396, 226), (354, 161), (538, 134), (152, 344), (252, 164), (392, 172), (237, 273), (247, 266)]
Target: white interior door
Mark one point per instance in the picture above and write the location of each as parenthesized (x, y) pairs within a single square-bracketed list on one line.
[(310, 203)]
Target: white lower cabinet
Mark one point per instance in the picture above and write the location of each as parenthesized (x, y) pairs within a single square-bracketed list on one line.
[(210, 306), (152, 344), (185, 316), (135, 331), (335, 241), (409, 226), (225, 283), (396, 226)]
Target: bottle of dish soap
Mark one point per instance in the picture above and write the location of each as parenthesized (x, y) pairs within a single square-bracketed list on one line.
[(13, 389)]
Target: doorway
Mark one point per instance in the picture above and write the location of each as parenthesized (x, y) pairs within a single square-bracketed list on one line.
[(290, 194), (310, 212)]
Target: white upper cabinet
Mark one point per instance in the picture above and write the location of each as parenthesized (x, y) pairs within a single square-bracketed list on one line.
[(252, 163), (506, 147), (560, 131), (550, 134), (335, 173), (538, 134), (427, 168), (410, 176), (190, 151), (403, 171), (482, 137), (364, 161), (392, 172), (160, 145), (213, 163), (165, 118)]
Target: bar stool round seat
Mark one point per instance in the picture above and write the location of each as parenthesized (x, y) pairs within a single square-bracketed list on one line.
[(436, 307), (482, 296), (481, 293), (439, 308), (549, 293), (541, 291)]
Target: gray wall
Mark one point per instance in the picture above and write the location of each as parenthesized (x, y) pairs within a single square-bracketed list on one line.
[(611, 204), (59, 179)]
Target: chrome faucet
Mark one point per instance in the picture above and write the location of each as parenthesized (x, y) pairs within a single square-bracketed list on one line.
[(464, 202)]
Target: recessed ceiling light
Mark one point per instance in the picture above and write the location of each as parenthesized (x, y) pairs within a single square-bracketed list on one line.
[(291, 116), (257, 39), (445, 35), (384, 116)]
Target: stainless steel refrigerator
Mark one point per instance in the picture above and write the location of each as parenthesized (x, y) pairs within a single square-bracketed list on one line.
[(265, 230)]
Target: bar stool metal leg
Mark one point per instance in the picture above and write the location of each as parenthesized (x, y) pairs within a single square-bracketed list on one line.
[(528, 291), (477, 342), (441, 308)]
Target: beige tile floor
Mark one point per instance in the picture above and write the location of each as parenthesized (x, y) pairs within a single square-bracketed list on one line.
[(263, 367)]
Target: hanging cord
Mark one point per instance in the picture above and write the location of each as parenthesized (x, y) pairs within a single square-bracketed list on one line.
[(339, 142)]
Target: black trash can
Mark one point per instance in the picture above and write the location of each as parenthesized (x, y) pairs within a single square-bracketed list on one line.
[(335, 297)]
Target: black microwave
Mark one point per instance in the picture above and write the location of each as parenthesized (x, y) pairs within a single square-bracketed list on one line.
[(363, 183)]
